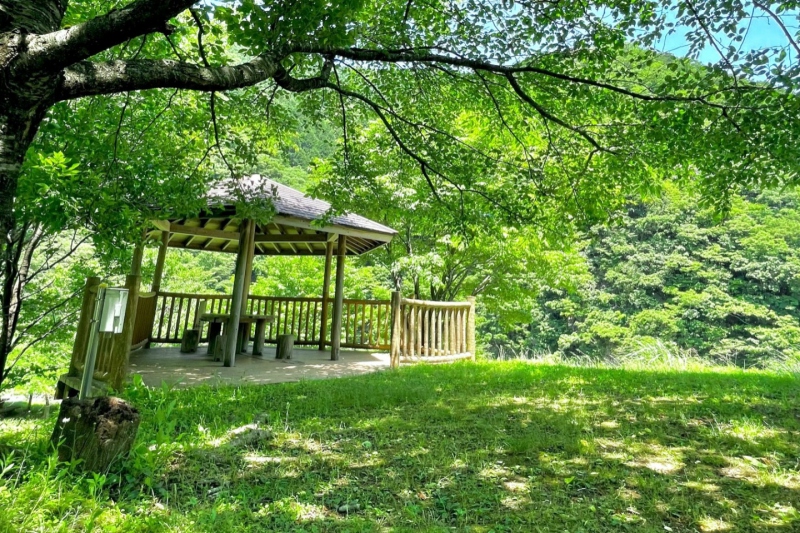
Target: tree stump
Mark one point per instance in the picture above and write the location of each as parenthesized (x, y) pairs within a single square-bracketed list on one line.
[(99, 431), (285, 347), (190, 341)]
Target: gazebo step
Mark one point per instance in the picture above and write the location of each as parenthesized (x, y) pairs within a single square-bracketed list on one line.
[(67, 384)]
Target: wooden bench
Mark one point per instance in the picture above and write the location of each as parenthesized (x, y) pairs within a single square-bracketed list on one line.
[(216, 321)]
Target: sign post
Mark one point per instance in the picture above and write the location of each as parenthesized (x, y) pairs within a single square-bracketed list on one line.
[(109, 314)]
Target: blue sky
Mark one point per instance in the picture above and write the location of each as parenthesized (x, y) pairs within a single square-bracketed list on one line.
[(763, 32)]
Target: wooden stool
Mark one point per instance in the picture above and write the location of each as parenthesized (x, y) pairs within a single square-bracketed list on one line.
[(214, 332), (258, 340), (219, 347), (285, 347), (190, 341)]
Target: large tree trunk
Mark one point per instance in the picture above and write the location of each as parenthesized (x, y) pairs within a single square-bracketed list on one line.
[(13, 145), (20, 117), (24, 100)]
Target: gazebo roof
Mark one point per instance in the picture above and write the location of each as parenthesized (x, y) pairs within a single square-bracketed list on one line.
[(299, 227)]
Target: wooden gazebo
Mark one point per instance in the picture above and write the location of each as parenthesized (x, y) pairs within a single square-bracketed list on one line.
[(284, 222), (298, 227)]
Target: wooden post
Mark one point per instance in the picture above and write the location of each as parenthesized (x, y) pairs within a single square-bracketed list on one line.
[(162, 255), (338, 299), (157, 275), (326, 291), (471, 327), (244, 339), (136, 261), (121, 350), (397, 329), (232, 329), (84, 323), (248, 274)]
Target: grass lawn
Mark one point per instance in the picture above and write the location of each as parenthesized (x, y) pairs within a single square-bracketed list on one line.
[(466, 447)]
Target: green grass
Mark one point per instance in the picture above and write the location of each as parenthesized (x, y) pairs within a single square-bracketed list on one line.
[(466, 447)]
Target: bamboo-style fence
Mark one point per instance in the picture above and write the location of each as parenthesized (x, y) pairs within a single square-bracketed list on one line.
[(432, 331)]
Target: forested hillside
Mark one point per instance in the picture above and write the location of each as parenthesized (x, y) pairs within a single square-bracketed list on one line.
[(670, 276)]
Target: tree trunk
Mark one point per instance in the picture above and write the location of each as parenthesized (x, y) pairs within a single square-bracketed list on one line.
[(99, 431), (24, 101), (17, 129)]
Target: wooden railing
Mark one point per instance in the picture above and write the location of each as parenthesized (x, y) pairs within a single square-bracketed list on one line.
[(300, 317), (145, 313), (365, 323), (413, 330), (176, 311), (432, 331)]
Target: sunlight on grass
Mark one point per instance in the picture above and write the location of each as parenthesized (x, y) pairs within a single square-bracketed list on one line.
[(471, 446), (714, 524)]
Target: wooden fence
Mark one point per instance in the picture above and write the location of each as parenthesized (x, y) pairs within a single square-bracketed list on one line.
[(432, 331), (145, 314), (413, 330), (365, 323)]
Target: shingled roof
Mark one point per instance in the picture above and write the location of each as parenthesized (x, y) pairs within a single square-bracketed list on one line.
[(299, 227), (288, 202)]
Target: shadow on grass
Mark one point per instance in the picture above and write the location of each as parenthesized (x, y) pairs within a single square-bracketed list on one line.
[(494, 447), (479, 447)]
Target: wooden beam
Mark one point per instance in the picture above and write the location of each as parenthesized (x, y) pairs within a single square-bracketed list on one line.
[(326, 290), (295, 222), (162, 225), (300, 238), (336, 326), (232, 329), (204, 232)]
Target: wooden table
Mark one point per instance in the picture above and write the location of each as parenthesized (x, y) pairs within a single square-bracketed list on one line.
[(216, 320)]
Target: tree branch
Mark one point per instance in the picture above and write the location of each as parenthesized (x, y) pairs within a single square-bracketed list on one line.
[(549, 116), (88, 79), (413, 55), (55, 51)]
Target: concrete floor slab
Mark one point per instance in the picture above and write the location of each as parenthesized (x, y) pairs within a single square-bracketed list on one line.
[(168, 365)]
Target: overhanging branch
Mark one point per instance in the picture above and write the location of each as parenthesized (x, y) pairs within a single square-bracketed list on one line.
[(52, 52), (89, 79)]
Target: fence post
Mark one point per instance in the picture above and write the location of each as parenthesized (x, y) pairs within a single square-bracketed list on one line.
[(471, 327), (326, 291), (397, 329), (85, 320), (121, 350)]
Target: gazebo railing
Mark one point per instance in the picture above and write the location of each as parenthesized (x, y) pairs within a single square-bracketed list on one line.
[(365, 323), (145, 311), (432, 331)]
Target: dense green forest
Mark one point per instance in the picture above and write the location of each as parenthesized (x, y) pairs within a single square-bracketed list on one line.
[(671, 278)]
